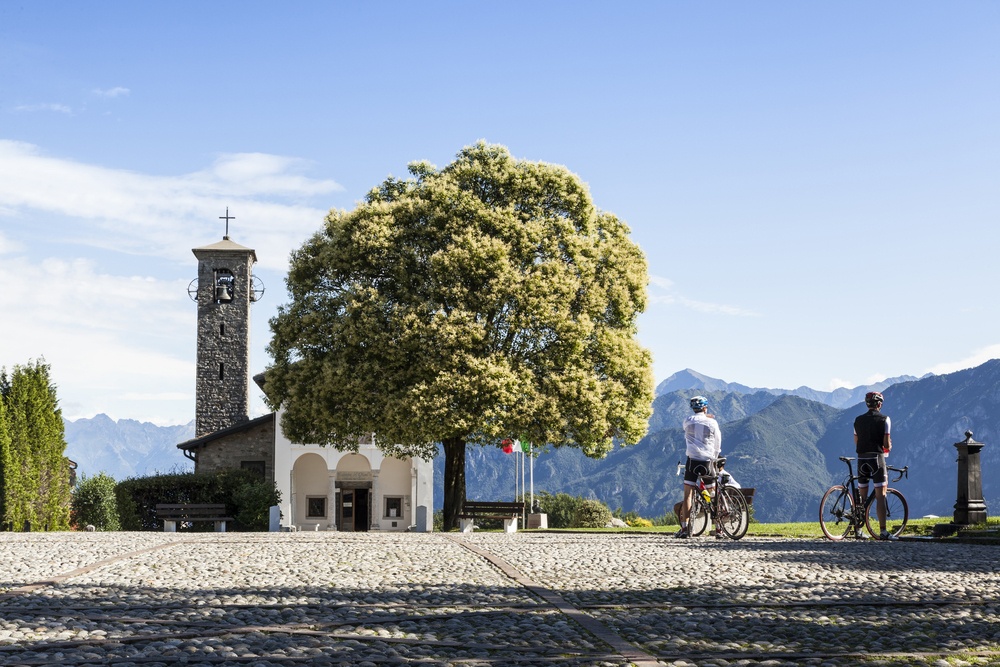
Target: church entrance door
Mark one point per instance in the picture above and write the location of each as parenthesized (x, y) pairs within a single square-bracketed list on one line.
[(354, 510), (361, 510)]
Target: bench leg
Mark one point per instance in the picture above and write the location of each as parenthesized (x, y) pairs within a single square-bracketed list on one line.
[(220, 526), (466, 525), (169, 526), (510, 525)]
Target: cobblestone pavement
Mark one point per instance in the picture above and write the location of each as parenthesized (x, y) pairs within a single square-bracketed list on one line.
[(491, 599)]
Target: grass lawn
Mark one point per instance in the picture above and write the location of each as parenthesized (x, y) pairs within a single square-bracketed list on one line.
[(805, 530)]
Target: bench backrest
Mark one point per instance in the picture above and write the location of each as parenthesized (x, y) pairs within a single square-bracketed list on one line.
[(192, 510), (492, 507), (748, 494)]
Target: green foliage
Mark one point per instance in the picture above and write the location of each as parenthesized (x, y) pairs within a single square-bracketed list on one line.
[(247, 498), (5, 454), (591, 514), (566, 511), (485, 299), (560, 507), (94, 503), (35, 471)]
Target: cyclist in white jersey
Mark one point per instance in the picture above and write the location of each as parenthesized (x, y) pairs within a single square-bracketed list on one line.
[(703, 441)]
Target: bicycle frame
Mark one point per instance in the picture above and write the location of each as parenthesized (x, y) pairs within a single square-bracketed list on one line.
[(843, 512)]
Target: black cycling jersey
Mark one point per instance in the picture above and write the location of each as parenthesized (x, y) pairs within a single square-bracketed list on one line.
[(870, 429)]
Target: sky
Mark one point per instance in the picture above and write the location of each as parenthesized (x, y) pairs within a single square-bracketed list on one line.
[(814, 185)]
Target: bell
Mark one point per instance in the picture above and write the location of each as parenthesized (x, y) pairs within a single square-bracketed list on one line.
[(222, 294)]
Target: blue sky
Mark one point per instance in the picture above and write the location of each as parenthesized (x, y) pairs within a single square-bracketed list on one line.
[(815, 185)]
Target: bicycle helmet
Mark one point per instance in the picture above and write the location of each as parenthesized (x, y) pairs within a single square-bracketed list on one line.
[(699, 403), (873, 399)]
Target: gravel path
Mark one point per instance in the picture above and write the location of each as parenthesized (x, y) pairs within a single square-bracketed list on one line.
[(491, 599)]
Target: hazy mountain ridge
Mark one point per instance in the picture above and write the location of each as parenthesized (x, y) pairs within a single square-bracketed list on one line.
[(689, 380), (125, 448)]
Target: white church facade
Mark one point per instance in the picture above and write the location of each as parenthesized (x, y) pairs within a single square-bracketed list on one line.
[(321, 488)]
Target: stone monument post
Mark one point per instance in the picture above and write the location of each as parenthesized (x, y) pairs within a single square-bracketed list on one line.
[(970, 508)]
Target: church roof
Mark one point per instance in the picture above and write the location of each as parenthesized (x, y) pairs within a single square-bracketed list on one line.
[(238, 428), (227, 244)]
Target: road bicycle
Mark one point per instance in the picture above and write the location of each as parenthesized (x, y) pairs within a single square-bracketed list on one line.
[(727, 508), (843, 513)]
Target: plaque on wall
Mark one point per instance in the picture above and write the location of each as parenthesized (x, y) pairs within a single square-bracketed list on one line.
[(355, 476)]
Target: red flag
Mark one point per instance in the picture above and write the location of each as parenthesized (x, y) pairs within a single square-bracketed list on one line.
[(508, 445)]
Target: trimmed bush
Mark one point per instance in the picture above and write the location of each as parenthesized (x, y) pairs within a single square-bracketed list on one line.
[(93, 503), (591, 514)]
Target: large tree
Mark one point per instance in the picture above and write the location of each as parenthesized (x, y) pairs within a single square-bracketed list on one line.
[(463, 305)]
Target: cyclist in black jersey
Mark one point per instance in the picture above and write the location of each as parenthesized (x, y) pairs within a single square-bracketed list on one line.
[(873, 442)]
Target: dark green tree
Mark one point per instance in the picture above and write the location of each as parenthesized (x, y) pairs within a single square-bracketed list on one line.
[(5, 454), (36, 475), (484, 300)]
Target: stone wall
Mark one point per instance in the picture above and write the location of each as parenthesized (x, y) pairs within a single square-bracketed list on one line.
[(253, 444)]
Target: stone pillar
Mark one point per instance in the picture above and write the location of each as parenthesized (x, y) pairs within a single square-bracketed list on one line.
[(331, 501), (970, 508)]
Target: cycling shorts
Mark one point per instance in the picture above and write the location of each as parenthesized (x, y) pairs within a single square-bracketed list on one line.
[(696, 467), (872, 468)]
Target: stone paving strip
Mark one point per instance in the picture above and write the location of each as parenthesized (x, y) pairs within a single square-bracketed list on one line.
[(481, 599)]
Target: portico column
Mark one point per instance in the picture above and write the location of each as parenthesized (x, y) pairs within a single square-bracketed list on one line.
[(375, 506), (331, 501)]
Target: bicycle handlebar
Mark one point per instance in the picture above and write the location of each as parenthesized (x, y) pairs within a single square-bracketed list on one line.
[(903, 472)]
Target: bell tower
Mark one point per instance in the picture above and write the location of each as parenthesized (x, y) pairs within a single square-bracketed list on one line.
[(224, 290)]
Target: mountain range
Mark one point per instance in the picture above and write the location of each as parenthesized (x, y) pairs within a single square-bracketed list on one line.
[(785, 443)]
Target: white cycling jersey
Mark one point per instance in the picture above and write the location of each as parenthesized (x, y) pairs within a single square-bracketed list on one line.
[(702, 437)]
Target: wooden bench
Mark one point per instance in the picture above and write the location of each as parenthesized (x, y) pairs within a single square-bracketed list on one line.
[(170, 514), (748, 494), (479, 509)]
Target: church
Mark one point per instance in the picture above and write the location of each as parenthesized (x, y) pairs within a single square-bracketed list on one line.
[(321, 488)]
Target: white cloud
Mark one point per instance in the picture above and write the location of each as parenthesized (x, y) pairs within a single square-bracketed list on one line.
[(108, 339), (30, 108), (161, 215), (7, 246), (671, 299), (977, 358), (117, 91)]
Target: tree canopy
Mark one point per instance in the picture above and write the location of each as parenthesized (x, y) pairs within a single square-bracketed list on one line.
[(484, 300)]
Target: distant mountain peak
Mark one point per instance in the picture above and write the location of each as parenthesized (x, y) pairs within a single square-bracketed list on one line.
[(690, 380)]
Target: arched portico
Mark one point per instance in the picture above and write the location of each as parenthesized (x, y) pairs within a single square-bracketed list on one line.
[(311, 501)]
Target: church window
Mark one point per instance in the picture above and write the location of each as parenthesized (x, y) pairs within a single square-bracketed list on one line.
[(222, 371), (222, 329), (316, 507), (393, 507)]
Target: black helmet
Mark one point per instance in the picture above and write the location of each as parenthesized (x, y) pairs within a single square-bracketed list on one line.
[(873, 399)]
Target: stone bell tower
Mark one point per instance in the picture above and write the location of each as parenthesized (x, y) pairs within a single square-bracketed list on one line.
[(224, 291)]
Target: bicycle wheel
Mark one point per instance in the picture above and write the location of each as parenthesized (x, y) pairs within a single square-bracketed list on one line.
[(732, 513), (835, 512), (897, 512), (698, 521)]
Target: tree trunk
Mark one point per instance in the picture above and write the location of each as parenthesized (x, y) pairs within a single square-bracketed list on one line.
[(454, 480)]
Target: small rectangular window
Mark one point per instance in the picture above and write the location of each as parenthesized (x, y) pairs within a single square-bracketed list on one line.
[(393, 507), (222, 329), (222, 371), (316, 507)]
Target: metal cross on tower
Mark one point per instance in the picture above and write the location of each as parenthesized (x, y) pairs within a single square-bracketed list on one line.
[(227, 218)]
